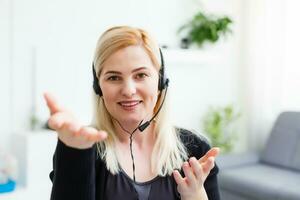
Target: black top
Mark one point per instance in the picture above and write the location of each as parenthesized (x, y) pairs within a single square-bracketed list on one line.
[(81, 175), (143, 190)]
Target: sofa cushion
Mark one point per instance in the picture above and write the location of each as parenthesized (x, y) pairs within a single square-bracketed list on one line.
[(227, 195), (261, 181), (283, 146), (295, 162)]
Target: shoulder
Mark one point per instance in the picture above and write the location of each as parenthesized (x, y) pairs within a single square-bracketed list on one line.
[(196, 144)]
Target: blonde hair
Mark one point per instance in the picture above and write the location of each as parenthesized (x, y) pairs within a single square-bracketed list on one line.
[(168, 153)]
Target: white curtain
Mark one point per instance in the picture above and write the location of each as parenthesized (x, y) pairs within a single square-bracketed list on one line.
[(272, 64)]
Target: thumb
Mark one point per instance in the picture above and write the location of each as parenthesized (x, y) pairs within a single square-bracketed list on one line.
[(52, 103), (213, 152)]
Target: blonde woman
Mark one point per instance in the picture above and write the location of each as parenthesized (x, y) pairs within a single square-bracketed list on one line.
[(131, 151)]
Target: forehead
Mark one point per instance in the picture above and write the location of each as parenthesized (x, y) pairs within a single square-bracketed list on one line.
[(128, 59)]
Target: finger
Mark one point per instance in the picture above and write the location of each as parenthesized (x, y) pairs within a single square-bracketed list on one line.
[(92, 134), (178, 178), (188, 172), (52, 103), (213, 152), (196, 167), (208, 165)]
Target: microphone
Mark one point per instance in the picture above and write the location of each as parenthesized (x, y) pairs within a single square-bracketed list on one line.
[(144, 125), (147, 123)]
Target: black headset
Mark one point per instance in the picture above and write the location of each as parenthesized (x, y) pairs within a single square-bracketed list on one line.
[(163, 81)]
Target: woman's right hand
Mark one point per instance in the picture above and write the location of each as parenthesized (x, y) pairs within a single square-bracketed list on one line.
[(69, 130)]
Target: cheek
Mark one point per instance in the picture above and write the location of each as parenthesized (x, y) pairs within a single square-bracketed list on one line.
[(108, 96), (152, 95), (153, 90), (108, 90), (109, 104)]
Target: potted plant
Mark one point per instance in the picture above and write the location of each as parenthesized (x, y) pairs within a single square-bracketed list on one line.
[(219, 124), (204, 28)]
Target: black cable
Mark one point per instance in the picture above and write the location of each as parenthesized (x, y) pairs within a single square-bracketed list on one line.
[(130, 144), (141, 128), (125, 129), (132, 158)]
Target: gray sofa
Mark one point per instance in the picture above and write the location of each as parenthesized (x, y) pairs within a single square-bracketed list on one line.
[(272, 175)]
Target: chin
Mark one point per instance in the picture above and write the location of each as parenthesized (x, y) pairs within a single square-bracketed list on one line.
[(132, 119)]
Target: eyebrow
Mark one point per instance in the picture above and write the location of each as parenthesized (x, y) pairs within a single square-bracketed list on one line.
[(117, 72)]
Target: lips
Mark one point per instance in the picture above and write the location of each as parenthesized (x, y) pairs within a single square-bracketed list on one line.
[(129, 104)]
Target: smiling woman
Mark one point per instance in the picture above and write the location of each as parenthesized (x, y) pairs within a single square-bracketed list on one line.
[(131, 150)]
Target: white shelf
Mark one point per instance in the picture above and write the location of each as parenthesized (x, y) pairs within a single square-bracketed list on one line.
[(192, 57), (34, 152)]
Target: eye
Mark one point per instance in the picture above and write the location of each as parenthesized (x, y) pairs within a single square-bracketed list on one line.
[(141, 75), (113, 78)]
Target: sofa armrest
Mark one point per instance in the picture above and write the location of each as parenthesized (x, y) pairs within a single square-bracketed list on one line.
[(236, 160)]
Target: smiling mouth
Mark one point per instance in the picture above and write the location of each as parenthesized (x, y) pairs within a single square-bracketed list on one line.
[(129, 104)]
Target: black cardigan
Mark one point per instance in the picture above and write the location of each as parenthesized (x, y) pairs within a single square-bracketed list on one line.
[(81, 175)]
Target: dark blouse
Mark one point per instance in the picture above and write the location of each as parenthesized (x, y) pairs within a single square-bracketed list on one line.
[(81, 175)]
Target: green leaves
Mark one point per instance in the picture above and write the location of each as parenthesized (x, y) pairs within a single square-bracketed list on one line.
[(205, 28), (218, 124)]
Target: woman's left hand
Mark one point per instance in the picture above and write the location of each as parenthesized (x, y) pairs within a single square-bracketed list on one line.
[(196, 172)]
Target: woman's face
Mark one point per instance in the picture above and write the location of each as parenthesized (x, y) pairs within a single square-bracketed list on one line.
[(129, 82)]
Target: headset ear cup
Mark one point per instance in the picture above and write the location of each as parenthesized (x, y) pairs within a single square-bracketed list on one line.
[(97, 89), (163, 83), (163, 80), (96, 85), (160, 81)]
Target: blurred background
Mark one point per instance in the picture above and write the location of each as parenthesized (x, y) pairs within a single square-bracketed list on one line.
[(251, 71)]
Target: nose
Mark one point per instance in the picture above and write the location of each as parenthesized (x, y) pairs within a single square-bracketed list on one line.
[(128, 88)]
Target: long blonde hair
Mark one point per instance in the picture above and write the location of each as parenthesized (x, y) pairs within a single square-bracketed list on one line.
[(168, 152)]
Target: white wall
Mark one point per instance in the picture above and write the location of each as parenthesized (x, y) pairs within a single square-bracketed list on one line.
[(57, 38), (5, 72)]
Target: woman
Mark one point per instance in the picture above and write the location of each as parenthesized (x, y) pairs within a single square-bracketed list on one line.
[(131, 151)]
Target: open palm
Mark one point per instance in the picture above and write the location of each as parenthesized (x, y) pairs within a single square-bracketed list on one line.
[(69, 130)]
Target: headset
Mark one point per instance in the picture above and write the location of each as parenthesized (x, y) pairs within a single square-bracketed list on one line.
[(163, 83)]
